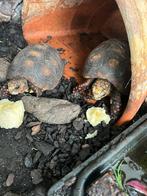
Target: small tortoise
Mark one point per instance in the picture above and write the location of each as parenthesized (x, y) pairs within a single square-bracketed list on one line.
[(38, 67), (108, 70)]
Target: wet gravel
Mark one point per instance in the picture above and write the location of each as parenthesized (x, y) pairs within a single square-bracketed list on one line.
[(40, 159)]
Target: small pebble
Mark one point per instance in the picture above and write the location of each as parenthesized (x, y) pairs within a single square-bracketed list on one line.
[(11, 194), (10, 179), (4, 64), (28, 161), (18, 135), (56, 144), (75, 148), (52, 164), (85, 146), (40, 191), (84, 153), (78, 124), (36, 129), (36, 157), (31, 124), (36, 176), (7, 8), (44, 147), (66, 147), (29, 137)]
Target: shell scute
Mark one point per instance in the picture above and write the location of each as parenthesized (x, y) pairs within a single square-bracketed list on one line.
[(111, 61)]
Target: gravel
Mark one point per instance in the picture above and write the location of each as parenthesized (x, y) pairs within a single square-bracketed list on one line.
[(4, 65), (44, 147), (36, 176)]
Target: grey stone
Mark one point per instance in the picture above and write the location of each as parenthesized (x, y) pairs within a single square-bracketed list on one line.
[(9, 9), (16, 14), (28, 161), (4, 64), (36, 176), (10, 179), (84, 153), (10, 194), (78, 124), (50, 110), (44, 147), (29, 137), (32, 124), (36, 157), (40, 191)]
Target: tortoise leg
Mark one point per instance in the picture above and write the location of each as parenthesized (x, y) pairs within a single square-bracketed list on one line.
[(88, 97), (4, 93), (115, 105), (34, 89), (81, 88), (38, 92)]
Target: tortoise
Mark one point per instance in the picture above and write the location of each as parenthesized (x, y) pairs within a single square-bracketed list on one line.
[(37, 67), (107, 69)]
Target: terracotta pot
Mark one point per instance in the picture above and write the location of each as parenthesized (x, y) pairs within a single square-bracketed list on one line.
[(134, 14)]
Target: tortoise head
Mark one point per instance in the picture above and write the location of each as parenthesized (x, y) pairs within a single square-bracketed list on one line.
[(17, 86), (100, 89)]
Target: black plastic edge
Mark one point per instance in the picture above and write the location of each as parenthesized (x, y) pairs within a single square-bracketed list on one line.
[(123, 142)]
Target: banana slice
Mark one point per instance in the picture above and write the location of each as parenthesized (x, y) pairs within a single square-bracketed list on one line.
[(11, 114), (95, 115)]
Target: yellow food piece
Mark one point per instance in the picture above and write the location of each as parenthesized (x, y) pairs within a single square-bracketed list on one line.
[(11, 114), (95, 115)]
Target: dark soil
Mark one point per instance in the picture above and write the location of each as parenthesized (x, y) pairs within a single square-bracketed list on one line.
[(39, 161), (11, 40)]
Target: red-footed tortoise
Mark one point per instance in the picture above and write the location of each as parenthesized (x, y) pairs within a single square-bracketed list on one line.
[(108, 72), (37, 66)]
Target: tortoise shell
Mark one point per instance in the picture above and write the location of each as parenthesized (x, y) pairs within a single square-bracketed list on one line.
[(111, 61), (40, 64)]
